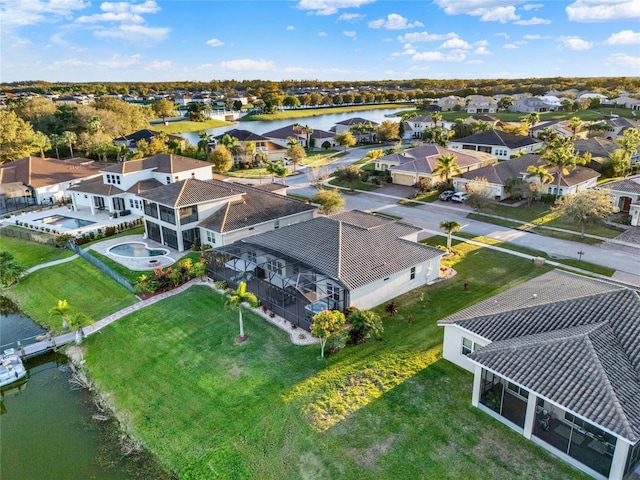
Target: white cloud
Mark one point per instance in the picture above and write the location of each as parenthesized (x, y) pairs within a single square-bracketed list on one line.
[(481, 43), (534, 37), (247, 64), (574, 43), (502, 34), (322, 34), (160, 65), (472, 7), (592, 11), (351, 17), (455, 43), (394, 22), (407, 49), (214, 42), (510, 46), (17, 13), (532, 6), (350, 34), (482, 51), (439, 56), (475, 61), (624, 37), (120, 61), (533, 21), (68, 63), (124, 17), (329, 7), (425, 37), (149, 6), (622, 59), (499, 14), (290, 27), (134, 33)]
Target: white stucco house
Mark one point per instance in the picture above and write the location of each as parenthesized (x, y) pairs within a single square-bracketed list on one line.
[(350, 259), (498, 143), (626, 196), (36, 180), (534, 104), (557, 359), (481, 104), (118, 188)]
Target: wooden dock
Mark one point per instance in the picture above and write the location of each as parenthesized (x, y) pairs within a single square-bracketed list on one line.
[(30, 350)]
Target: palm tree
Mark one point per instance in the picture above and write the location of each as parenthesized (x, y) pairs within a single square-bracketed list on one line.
[(61, 310), (69, 139), (56, 140), (575, 125), (559, 153), (236, 300), (436, 117), (532, 119), (203, 144), (542, 175), (307, 130), (276, 169), (447, 166), (450, 227), (41, 142)]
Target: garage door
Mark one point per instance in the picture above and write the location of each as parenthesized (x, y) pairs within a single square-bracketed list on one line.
[(403, 179)]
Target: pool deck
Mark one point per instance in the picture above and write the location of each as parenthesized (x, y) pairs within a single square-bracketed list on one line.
[(137, 263)]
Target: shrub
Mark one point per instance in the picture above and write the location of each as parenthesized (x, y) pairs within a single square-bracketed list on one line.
[(391, 308), (548, 198), (364, 323), (109, 231)]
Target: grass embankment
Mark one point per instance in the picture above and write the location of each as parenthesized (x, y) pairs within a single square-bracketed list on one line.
[(184, 126), (314, 112), (585, 115), (30, 254), (572, 262), (86, 288), (209, 408)]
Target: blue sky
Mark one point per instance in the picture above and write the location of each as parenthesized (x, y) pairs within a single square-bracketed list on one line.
[(155, 40)]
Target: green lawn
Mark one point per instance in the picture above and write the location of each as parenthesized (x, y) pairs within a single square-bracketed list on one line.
[(184, 126), (30, 254), (208, 408), (586, 115), (86, 288)]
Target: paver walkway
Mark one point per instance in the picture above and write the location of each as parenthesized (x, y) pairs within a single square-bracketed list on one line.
[(50, 264)]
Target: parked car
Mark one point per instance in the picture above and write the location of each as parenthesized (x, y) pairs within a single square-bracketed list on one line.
[(459, 197), (446, 195)]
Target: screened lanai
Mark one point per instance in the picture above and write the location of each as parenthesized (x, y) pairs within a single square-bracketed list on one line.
[(287, 286)]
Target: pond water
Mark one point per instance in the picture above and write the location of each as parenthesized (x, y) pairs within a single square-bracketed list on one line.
[(316, 121), (49, 429)]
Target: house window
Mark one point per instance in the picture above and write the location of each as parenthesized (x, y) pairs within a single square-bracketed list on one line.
[(468, 346), (167, 214), (519, 391), (252, 257), (413, 273), (137, 204), (211, 238), (275, 266), (168, 180), (116, 179)]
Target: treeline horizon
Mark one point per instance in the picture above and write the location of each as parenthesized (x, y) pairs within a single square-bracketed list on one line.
[(423, 88)]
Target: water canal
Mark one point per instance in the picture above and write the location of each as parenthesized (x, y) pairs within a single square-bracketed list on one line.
[(51, 430)]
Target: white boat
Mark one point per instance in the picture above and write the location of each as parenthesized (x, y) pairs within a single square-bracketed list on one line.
[(11, 367)]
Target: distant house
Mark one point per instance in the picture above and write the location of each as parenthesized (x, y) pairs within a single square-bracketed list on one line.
[(534, 104), (362, 129), (493, 121), (41, 181), (557, 359), (117, 190), (498, 143), (560, 127), (131, 140), (216, 213), (263, 145), (414, 127), (415, 164), (450, 103), (350, 259), (497, 175), (481, 104), (616, 126), (599, 148), (281, 136), (627, 102), (626, 196)]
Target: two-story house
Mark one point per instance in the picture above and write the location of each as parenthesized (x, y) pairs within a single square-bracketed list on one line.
[(262, 144), (498, 143), (481, 104)]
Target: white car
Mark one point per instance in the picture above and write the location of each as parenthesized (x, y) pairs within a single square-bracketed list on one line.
[(459, 197)]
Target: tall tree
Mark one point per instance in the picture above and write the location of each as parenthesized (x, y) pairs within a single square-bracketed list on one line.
[(585, 207), (388, 131), (10, 269), (163, 109), (41, 142), (629, 141), (326, 324), (532, 118), (15, 137), (541, 177), (221, 159), (350, 175), (70, 140), (450, 227), (447, 166), (203, 143), (296, 153), (330, 201), (56, 141), (235, 301), (346, 139), (575, 124), (559, 154), (436, 118)]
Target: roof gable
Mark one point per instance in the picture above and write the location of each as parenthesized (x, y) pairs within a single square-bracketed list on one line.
[(499, 138)]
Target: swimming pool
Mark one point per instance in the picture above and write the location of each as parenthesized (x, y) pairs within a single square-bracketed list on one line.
[(136, 249), (61, 221)]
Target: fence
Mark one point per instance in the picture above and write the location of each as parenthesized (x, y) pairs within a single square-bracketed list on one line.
[(99, 264), (16, 232)]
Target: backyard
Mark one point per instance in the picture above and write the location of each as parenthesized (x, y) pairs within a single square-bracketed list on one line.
[(209, 408), (30, 254)]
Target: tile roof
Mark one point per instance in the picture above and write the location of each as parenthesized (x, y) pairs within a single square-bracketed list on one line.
[(596, 146), (255, 207), (498, 138), (626, 185), (571, 339), (354, 255), (96, 186), (355, 121), (288, 131), (243, 135), (145, 134), (41, 172), (191, 192), (424, 159), (161, 163)]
